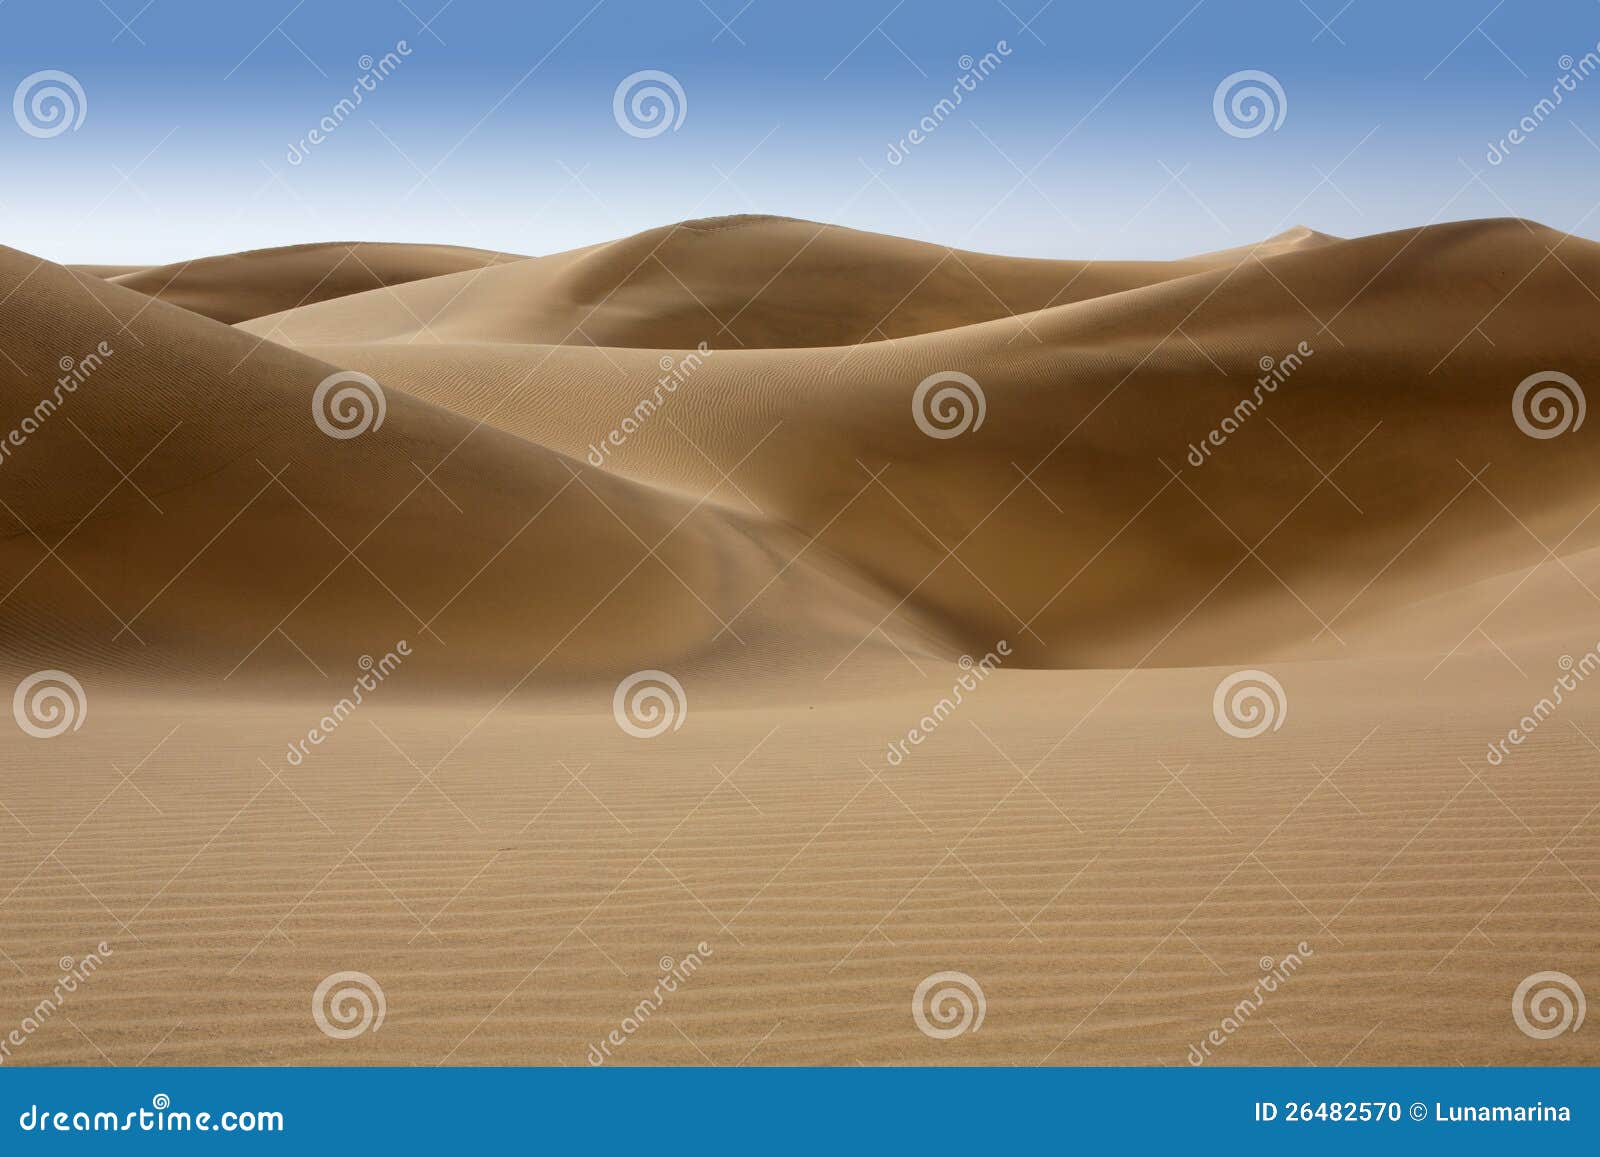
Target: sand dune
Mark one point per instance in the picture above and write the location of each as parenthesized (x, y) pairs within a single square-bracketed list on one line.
[(731, 282), (1073, 447), (442, 513), (1303, 455), (108, 272), (239, 286), (1289, 241)]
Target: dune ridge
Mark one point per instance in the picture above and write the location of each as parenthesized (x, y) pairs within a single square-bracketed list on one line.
[(938, 681), (235, 287), (1069, 391)]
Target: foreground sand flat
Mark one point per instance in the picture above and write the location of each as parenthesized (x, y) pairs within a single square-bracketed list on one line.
[(515, 906), (1080, 836)]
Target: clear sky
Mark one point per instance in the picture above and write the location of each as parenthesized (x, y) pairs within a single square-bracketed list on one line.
[(1094, 135)]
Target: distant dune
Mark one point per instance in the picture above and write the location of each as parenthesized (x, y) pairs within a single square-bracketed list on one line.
[(240, 286), (815, 476), (731, 282)]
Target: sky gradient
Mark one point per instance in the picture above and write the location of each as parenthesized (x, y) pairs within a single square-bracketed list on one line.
[(1095, 135)]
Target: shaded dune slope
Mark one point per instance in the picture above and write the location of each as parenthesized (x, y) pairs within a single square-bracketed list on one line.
[(1073, 522), (238, 286), (804, 514), (181, 514)]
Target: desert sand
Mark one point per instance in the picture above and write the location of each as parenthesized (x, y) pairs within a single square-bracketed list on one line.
[(1086, 835)]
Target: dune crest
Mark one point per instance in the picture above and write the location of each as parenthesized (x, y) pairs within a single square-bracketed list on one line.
[(732, 282), (1291, 240), (239, 286)]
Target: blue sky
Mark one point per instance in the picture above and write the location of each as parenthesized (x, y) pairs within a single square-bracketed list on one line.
[(1095, 136)]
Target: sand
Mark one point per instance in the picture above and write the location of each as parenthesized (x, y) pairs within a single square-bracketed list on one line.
[(1079, 836), (238, 286)]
